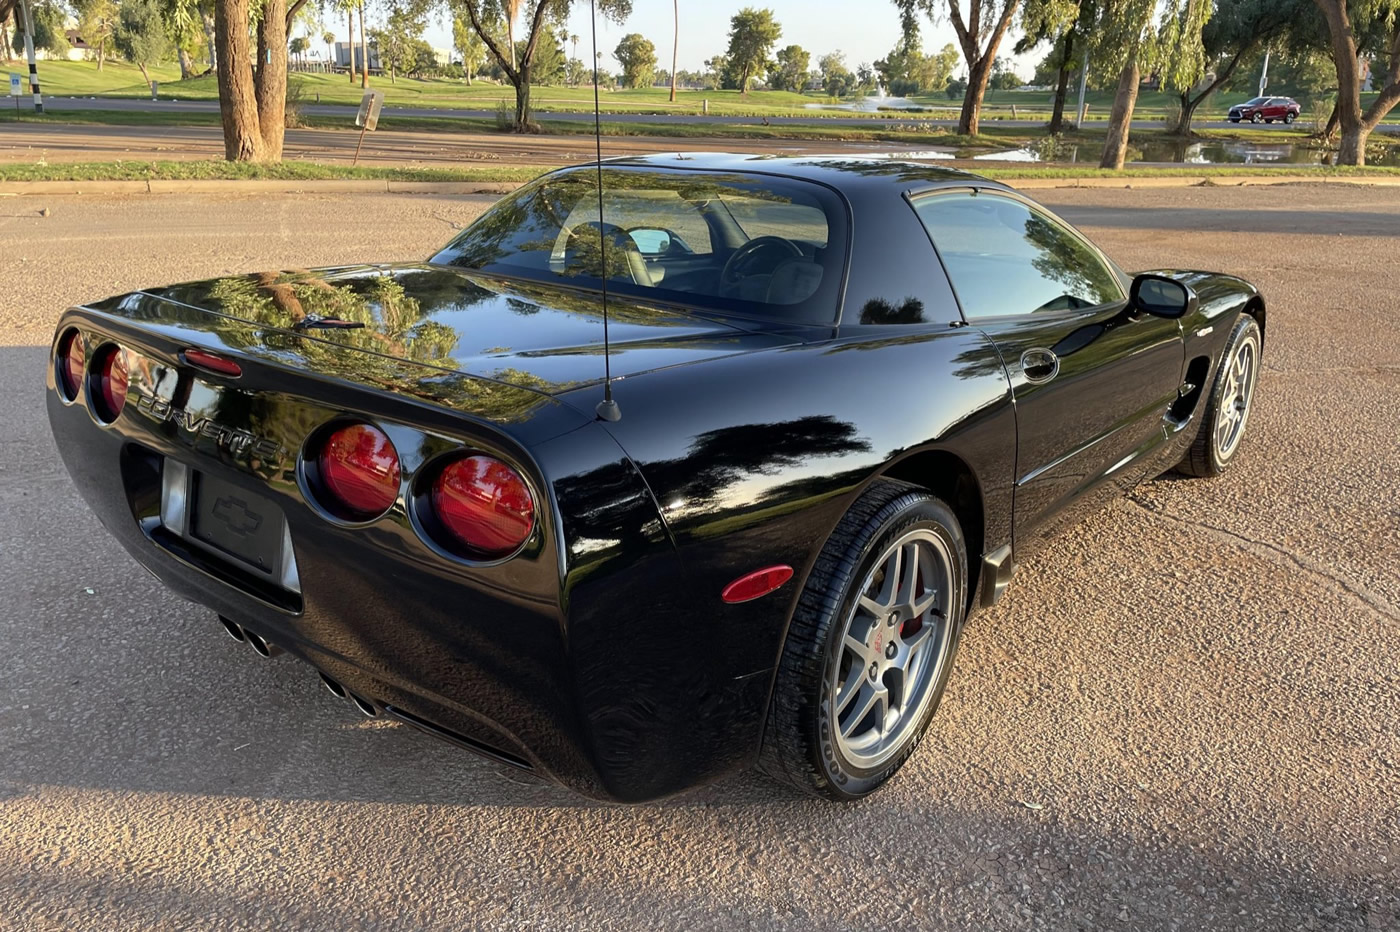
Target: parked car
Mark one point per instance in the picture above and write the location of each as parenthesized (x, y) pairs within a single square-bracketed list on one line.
[(1266, 110), (847, 397)]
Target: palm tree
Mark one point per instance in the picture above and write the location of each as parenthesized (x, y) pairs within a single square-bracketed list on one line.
[(512, 10), (328, 37), (573, 37), (675, 46)]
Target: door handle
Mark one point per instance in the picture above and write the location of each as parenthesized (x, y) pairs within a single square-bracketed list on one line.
[(1039, 364)]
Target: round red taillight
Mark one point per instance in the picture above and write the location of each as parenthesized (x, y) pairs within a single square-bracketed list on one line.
[(359, 471), (71, 359), (109, 382), (484, 505)]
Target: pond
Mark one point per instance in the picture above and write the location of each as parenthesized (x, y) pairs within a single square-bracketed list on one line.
[(1221, 152)]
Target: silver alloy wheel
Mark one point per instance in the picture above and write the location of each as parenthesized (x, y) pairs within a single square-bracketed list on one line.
[(1240, 376), (893, 648)]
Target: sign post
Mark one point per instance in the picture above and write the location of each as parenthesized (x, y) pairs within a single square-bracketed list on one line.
[(367, 118)]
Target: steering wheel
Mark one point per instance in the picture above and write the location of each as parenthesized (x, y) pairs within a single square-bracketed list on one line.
[(734, 268)]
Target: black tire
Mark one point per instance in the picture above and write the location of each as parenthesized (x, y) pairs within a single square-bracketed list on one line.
[(1289, 117), (799, 748), (1234, 119), (1257, 118), (1205, 458)]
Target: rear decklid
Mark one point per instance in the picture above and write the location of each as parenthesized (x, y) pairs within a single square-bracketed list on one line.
[(545, 338)]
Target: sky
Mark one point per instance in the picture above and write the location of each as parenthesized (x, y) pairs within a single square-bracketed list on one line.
[(864, 29)]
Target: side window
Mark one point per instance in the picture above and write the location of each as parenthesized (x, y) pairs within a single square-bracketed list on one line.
[(1006, 258)]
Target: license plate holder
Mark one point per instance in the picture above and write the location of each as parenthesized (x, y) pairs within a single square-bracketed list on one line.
[(241, 524)]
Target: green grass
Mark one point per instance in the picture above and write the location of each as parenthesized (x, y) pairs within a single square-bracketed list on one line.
[(237, 171), (116, 79), (311, 171), (119, 79)]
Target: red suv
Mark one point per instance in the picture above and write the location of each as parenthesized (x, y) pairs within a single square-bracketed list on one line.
[(1266, 110)]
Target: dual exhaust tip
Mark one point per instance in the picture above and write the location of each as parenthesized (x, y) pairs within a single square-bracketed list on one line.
[(340, 692), (252, 639), (266, 649)]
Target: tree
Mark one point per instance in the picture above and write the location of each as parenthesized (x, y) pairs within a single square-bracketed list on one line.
[(1004, 77), (907, 70), (1058, 21), (468, 45), (403, 25), (837, 80), (637, 56), (979, 34), (791, 71), (715, 70), (328, 37), (253, 76), (1237, 29), (299, 47), (50, 28), (751, 36), (140, 34), (1124, 41), (1352, 25), (540, 13), (96, 20)]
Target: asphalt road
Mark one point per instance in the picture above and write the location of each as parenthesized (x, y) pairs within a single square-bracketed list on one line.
[(29, 142), (1183, 715)]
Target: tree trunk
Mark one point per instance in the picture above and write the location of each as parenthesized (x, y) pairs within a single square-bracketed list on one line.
[(1352, 150), (102, 52), (5, 38), (1188, 114), (1115, 148), (207, 22), (675, 46), (270, 78), (1057, 115), (1331, 126), (364, 49), (186, 71), (350, 41), (144, 76), (523, 124), (970, 119), (238, 105)]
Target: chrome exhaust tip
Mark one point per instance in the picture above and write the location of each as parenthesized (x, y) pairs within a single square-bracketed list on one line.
[(233, 630), (260, 645), (364, 705), (333, 687)]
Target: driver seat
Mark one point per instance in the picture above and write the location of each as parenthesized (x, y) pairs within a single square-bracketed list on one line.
[(583, 254)]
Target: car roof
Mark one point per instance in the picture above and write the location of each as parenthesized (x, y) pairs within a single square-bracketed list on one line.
[(847, 174)]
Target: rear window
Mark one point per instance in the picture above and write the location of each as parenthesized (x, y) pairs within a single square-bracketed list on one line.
[(729, 242)]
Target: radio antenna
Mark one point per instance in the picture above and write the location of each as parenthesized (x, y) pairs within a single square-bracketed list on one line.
[(607, 408)]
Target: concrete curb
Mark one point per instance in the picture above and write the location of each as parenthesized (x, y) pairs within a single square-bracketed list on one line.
[(257, 186), (384, 186)]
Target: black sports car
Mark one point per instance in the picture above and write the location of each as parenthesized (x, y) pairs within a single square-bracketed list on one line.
[(848, 396)]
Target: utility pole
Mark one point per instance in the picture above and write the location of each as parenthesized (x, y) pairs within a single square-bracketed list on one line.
[(1083, 80), (29, 52), (1264, 75)]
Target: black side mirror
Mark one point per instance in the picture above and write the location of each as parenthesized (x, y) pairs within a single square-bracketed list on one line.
[(1161, 296)]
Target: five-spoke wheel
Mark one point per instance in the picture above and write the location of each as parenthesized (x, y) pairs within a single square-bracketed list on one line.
[(871, 644)]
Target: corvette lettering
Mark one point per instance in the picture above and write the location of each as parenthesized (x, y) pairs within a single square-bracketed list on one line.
[(229, 438)]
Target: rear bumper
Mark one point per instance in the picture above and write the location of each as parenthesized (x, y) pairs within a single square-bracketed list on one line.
[(586, 660)]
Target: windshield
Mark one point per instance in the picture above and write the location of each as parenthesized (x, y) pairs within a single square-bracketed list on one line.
[(1256, 101), (735, 243)]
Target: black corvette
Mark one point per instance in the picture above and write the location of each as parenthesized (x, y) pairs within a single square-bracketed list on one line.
[(849, 397)]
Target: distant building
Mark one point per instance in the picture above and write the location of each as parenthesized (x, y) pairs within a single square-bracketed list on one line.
[(343, 52)]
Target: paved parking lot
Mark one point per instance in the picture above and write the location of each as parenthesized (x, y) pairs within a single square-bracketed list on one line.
[(1184, 715)]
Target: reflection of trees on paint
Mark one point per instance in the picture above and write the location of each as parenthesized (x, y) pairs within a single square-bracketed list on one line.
[(1065, 259)]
